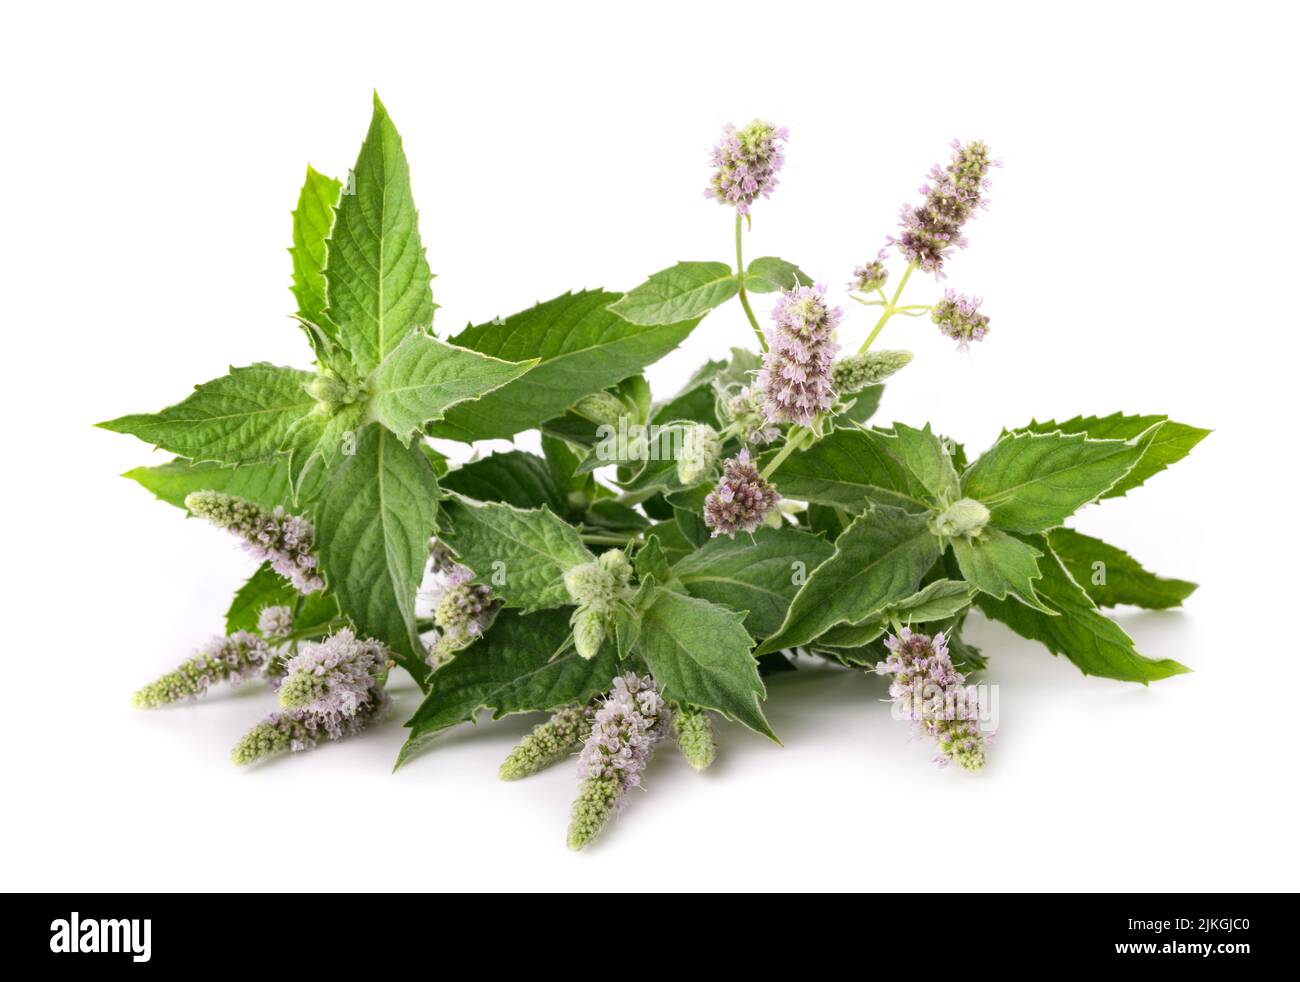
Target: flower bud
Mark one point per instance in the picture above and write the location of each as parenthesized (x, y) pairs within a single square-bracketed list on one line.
[(588, 631), (700, 448), (962, 519), (855, 372), (601, 407)]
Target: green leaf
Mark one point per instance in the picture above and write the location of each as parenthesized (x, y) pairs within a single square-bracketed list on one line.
[(760, 576), (696, 400), (522, 554), (582, 348), (937, 601), (511, 669), (863, 407), (925, 456), (1170, 444), (671, 540), (1119, 579), (1095, 643), (1000, 565), (699, 653), (376, 275), (768, 274), (374, 520), (1032, 482), (264, 483), (240, 417), (652, 562), (265, 588), (850, 468), (424, 377), (678, 293), (878, 560), (311, 227), (515, 477)]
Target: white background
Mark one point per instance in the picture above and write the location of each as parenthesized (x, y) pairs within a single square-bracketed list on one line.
[(1139, 255)]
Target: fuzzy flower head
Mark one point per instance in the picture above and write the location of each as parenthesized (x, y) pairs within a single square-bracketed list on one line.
[(746, 163), (463, 610), (275, 622), (561, 736), (871, 276), (959, 317), (928, 690), (796, 373), (233, 659), (747, 408), (337, 676), (600, 589), (296, 730), (699, 451), (933, 228), (285, 541), (741, 500), (624, 731)]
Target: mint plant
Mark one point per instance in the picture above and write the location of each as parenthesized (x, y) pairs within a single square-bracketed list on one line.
[(660, 557)]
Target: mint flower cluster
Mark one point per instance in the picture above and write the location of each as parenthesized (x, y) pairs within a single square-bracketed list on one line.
[(927, 689), (626, 727), (283, 540), (663, 553), (746, 163), (332, 689), (933, 228)]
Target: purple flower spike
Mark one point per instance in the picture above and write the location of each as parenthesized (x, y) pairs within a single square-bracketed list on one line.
[(931, 230), (746, 163), (741, 500), (796, 373)]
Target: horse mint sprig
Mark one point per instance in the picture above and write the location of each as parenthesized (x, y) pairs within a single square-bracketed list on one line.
[(667, 554)]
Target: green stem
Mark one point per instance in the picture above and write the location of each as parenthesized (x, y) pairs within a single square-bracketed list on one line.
[(890, 309), (597, 539), (793, 440), (744, 296)]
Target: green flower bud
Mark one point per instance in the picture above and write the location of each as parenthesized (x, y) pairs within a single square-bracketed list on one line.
[(966, 517), (855, 372), (700, 447), (593, 809), (559, 737), (328, 389), (588, 631), (603, 585), (694, 731), (601, 407)]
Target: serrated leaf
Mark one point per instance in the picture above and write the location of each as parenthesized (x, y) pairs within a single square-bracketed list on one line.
[(424, 377), (1170, 444), (767, 274), (240, 417), (376, 275), (1092, 641), (937, 601), (1000, 565), (925, 456), (650, 561), (311, 227), (878, 560), (522, 554), (699, 653), (850, 468), (514, 477), (264, 483), (1032, 482), (1110, 576), (509, 670), (375, 517), (680, 292), (582, 348), (759, 575)]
